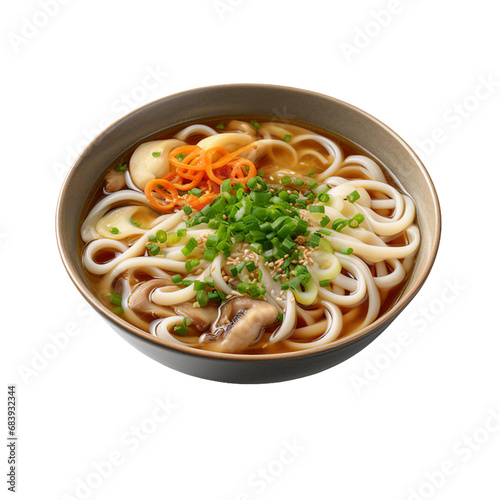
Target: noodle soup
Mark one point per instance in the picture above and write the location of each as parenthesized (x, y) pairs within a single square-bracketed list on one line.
[(252, 237)]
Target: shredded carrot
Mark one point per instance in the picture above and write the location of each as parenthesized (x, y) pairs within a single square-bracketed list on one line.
[(197, 169), (166, 195)]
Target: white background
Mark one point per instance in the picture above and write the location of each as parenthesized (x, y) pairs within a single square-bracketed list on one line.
[(374, 427)]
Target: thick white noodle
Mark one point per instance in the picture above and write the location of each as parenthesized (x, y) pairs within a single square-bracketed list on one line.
[(161, 328), (289, 320), (196, 129), (364, 164), (331, 147), (333, 329), (168, 298)]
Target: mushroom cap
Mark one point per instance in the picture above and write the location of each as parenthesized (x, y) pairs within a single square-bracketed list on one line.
[(140, 302), (240, 324)]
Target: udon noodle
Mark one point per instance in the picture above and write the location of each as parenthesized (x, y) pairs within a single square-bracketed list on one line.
[(248, 237)]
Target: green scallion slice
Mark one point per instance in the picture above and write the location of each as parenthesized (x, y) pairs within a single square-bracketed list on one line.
[(346, 250), (352, 197), (191, 264)]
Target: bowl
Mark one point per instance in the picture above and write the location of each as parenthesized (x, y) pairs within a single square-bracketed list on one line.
[(248, 100)]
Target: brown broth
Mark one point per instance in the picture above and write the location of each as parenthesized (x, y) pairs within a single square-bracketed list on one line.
[(356, 315)]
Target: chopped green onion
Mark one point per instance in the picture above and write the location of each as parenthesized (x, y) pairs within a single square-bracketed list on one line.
[(311, 173), (152, 239), (259, 275), (190, 246), (255, 124), (256, 247), (115, 299), (180, 157), (346, 250), (251, 265), (118, 309), (161, 236), (196, 191), (356, 220), (324, 197), (180, 330), (187, 209), (199, 285), (314, 240), (213, 296), (285, 286), (286, 180), (121, 167), (256, 184), (339, 224), (212, 241), (177, 279), (324, 221), (243, 287), (298, 182), (287, 138), (324, 283), (187, 282), (173, 238), (220, 126), (226, 186), (135, 223), (210, 281), (191, 264), (233, 270), (317, 209), (156, 154), (153, 249), (279, 318), (352, 197), (181, 232), (114, 230), (210, 254)]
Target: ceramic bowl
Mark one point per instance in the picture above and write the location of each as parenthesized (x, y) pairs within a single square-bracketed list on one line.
[(248, 100)]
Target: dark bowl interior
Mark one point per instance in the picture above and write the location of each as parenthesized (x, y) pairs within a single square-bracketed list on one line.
[(316, 110)]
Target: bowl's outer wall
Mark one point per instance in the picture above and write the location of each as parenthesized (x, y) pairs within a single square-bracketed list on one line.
[(247, 371), (252, 100)]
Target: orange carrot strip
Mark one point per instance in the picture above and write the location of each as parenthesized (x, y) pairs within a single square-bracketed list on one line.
[(166, 192), (227, 158)]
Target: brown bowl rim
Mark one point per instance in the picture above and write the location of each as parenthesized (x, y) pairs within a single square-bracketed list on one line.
[(364, 332)]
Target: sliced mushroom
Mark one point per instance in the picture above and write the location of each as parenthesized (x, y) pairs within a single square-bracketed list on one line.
[(240, 323), (230, 141), (150, 161), (114, 181), (202, 317), (139, 300)]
